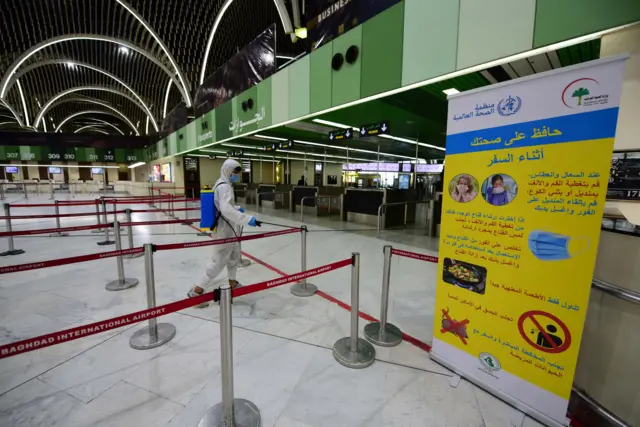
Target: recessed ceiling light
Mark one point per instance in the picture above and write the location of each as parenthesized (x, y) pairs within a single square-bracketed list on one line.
[(451, 91), (123, 50)]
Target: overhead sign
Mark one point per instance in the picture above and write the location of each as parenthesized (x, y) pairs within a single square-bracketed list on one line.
[(374, 129), (235, 153), (525, 186), (286, 144), (79, 154), (338, 134), (270, 147)]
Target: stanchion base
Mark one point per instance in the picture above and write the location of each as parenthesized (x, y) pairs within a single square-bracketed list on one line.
[(97, 230), (58, 234), (246, 414), (117, 285), (106, 243), (138, 255), (203, 234), (245, 262), (141, 340), (301, 290), (13, 252), (360, 359), (391, 337)]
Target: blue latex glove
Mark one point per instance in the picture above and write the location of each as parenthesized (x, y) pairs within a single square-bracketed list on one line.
[(241, 210), (253, 223)]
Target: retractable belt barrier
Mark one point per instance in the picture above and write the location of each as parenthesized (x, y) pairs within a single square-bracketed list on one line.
[(71, 334), (415, 255)]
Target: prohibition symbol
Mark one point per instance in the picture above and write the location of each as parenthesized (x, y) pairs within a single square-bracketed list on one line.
[(549, 333), (458, 329)]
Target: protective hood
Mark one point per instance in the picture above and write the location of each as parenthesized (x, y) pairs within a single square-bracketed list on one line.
[(227, 169)]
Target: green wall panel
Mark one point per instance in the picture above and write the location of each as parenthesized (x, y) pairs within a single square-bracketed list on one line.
[(206, 129), (182, 139), (223, 118), (321, 78), (430, 42), (264, 103), (299, 87), (492, 29), (191, 135), (562, 20), (381, 53), (280, 100), (346, 81), (172, 143), (247, 120)]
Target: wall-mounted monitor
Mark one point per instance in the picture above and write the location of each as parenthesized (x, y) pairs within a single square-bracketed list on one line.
[(11, 169), (97, 171), (53, 170)]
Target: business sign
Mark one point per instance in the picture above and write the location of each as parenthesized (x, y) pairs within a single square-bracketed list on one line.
[(338, 134), (624, 176), (372, 167), (374, 129), (524, 192), (78, 154), (329, 19)]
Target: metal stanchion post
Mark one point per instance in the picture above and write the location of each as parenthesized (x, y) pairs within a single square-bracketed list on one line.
[(121, 283), (244, 262), (303, 288), (130, 235), (230, 412), (38, 188), (51, 190), (106, 240), (24, 184), (354, 352), (1, 191), (98, 230), (186, 212), (156, 333), (58, 233), (12, 250), (382, 333), (115, 212)]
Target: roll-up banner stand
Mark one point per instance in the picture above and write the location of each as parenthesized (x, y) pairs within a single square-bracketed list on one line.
[(527, 166)]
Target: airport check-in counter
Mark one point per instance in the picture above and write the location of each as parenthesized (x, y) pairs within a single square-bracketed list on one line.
[(251, 193), (362, 206), (274, 196), (239, 191), (298, 193)]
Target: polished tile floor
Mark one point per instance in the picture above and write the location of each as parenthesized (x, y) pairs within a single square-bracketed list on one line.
[(282, 344)]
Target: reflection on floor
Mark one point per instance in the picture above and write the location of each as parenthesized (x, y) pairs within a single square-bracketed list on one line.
[(282, 344)]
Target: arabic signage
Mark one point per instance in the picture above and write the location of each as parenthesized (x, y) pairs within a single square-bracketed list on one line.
[(524, 193), (329, 19), (624, 176), (78, 154), (372, 167), (270, 147), (237, 126), (281, 145), (338, 134), (374, 129), (254, 63), (421, 168), (235, 153)]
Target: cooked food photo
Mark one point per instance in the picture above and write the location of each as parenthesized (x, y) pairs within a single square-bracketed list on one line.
[(463, 273)]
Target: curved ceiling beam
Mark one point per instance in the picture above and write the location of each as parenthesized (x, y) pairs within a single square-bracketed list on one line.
[(104, 122), (164, 48), (284, 17), (71, 62), (118, 112), (4, 83), (166, 101), (91, 128), (24, 104), (48, 105), (15, 114)]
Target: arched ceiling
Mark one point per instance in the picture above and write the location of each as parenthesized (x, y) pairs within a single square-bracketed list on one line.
[(127, 50)]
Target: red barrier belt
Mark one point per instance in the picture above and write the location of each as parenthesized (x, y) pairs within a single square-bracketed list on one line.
[(246, 290), (157, 211), (171, 246), (48, 205), (170, 221), (49, 230), (66, 261), (415, 255), (69, 215), (60, 337)]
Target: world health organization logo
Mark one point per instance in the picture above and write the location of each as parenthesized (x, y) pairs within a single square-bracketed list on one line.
[(509, 105)]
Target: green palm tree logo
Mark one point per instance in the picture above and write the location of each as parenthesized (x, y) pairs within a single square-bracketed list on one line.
[(580, 93)]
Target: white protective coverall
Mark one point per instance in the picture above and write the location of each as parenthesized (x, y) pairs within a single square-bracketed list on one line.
[(228, 254)]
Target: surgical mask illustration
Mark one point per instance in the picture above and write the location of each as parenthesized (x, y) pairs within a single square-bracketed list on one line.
[(547, 246), (235, 178)]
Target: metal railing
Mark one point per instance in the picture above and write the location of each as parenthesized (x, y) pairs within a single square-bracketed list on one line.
[(283, 193), (616, 291), (313, 197), (430, 214)]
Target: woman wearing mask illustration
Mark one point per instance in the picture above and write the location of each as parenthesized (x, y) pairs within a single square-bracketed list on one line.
[(497, 193), (464, 190)]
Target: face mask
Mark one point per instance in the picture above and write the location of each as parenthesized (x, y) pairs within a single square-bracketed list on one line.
[(462, 188), (551, 246), (498, 190), (235, 178)]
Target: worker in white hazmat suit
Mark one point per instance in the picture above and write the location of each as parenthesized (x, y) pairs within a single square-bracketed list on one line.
[(230, 217)]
